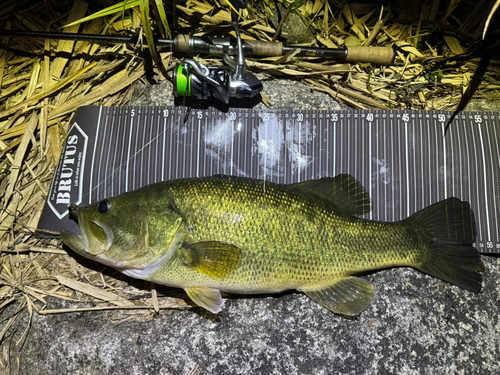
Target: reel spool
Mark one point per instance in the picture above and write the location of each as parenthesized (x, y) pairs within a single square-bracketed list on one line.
[(193, 79)]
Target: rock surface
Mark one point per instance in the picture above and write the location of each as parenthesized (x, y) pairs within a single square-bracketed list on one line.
[(415, 325), (294, 29)]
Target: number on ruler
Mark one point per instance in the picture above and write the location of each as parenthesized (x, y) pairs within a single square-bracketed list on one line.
[(200, 115), (369, 117), (132, 112), (165, 113), (478, 119), (335, 117), (232, 116), (265, 117), (406, 117), (441, 117), (300, 116)]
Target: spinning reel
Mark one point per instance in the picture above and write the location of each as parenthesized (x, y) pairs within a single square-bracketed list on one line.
[(193, 79)]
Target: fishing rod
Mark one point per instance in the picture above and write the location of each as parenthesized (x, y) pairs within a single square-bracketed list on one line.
[(218, 46), (193, 79)]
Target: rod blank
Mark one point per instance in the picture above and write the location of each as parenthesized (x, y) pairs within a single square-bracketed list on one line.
[(218, 46)]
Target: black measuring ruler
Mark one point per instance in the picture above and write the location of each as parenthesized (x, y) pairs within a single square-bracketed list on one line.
[(403, 158)]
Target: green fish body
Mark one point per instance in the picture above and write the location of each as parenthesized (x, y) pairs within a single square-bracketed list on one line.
[(247, 236)]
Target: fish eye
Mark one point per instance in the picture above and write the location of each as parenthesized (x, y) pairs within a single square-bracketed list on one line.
[(103, 206)]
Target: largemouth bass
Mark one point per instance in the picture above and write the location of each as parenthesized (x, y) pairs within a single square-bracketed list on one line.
[(240, 235)]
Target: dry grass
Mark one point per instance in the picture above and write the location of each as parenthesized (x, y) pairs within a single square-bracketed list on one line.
[(42, 83)]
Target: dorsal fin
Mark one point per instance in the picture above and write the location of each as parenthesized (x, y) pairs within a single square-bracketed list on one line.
[(344, 191)]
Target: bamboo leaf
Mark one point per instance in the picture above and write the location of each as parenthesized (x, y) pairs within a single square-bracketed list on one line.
[(21, 151), (163, 16), (453, 44), (231, 6), (407, 47), (148, 32), (451, 7), (94, 291)]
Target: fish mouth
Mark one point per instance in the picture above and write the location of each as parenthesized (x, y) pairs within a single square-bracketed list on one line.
[(74, 242), (72, 209), (96, 238)]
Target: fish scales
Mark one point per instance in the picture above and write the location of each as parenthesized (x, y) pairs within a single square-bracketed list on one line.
[(240, 235), (311, 244)]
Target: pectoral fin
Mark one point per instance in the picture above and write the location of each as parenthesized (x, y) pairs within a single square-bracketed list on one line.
[(207, 298), (212, 258), (349, 296)]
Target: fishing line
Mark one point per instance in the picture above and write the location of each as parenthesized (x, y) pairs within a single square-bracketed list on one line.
[(115, 173)]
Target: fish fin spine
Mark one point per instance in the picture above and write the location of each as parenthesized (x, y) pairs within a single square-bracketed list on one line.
[(343, 191), (208, 298), (348, 296)]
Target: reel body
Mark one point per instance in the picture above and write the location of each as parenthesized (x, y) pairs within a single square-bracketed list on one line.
[(193, 79)]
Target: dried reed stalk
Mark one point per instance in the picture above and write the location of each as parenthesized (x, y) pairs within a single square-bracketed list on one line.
[(42, 87)]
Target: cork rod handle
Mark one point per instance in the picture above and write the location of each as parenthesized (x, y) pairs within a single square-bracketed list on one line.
[(373, 55), (265, 48)]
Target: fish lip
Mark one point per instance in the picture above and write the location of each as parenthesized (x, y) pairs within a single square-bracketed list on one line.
[(72, 209), (81, 243), (74, 241)]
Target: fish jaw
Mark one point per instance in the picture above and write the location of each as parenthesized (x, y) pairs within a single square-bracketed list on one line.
[(96, 237), (79, 244), (103, 240), (75, 242)]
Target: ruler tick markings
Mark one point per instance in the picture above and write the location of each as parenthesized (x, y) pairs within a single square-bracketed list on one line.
[(495, 172), (482, 143), (91, 185), (405, 165), (477, 189), (109, 185)]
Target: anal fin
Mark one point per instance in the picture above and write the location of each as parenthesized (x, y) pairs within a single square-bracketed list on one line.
[(208, 298), (348, 296)]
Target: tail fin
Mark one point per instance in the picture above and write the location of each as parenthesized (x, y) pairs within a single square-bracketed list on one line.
[(448, 227)]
